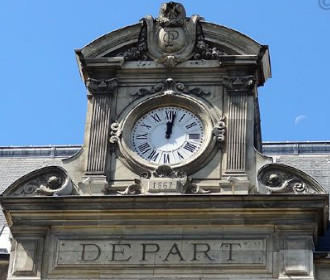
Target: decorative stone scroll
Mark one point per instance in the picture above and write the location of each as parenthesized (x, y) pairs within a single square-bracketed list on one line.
[(169, 86), (219, 130), (280, 178), (101, 86), (47, 181), (115, 133)]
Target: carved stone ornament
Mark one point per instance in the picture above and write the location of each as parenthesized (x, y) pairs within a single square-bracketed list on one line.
[(171, 37), (169, 86), (101, 86), (240, 83), (163, 180), (192, 188), (115, 133), (140, 51), (283, 179), (133, 189), (47, 181), (204, 50), (219, 130)]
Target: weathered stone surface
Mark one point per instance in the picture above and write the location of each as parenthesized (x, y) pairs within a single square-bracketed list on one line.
[(122, 208)]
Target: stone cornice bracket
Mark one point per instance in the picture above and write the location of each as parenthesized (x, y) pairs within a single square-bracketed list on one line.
[(284, 179), (96, 87), (169, 86), (239, 83), (219, 131)]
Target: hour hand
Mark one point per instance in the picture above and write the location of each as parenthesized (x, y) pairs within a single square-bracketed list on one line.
[(168, 130), (169, 126)]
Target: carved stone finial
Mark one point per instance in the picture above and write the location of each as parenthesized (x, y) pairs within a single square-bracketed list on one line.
[(101, 86), (171, 14)]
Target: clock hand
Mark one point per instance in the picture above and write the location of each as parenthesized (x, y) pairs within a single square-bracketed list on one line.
[(169, 126)]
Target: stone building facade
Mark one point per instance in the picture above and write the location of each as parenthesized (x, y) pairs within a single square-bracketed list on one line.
[(171, 181)]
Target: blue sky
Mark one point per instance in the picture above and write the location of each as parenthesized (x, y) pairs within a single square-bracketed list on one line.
[(43, 100)]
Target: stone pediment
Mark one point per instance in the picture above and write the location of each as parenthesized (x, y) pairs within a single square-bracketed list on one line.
[(46, 181), (283, 179), (172, 38), (116, 43)]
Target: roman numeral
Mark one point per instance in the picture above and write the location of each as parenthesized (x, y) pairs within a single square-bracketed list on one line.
[(191, 125), (156, 117), (180, 156), (182, 117), (142, 136), (145, 125), (190, 147), (194, 136), (153, 155), (145, 147), (169, 114), (166, 158)]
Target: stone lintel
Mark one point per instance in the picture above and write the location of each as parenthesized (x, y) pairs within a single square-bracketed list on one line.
[(291, 210)]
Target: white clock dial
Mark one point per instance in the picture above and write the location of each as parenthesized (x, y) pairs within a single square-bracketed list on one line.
[(168, 135)]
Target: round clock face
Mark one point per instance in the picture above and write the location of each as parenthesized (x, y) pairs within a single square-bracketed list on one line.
[(168, 136)]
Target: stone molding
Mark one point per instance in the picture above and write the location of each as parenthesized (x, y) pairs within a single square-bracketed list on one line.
[(170, 86), (105, 86), (235, 84)]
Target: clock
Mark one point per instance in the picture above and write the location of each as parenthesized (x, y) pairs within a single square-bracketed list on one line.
[(168, 129), (168, 135)]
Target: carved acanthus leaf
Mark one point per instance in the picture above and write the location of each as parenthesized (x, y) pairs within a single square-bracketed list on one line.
[(280, 178), (101, 86)]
